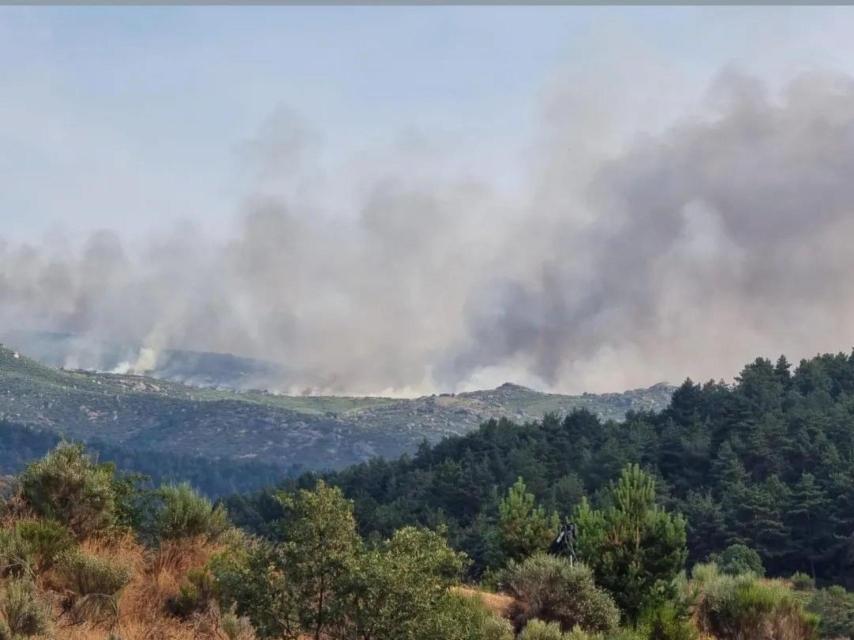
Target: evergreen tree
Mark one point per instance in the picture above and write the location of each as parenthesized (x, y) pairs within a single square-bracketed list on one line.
[(811, 533), (635, 548), (524, 528)]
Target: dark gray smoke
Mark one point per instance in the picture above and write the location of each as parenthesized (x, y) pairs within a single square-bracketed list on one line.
[(726, 236)]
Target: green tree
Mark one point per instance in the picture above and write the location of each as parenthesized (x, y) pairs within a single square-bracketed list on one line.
[(319, 547), (808, 519), (635, 548), (737, 559), (524, 528), (400, 590)]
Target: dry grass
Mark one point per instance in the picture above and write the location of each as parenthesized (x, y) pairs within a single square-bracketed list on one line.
[(497, 603), (157, 575)]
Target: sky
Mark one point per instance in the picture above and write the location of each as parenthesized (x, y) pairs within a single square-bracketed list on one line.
[(324, 187)]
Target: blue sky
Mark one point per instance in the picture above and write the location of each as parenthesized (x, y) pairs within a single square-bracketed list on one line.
[(134, 118)]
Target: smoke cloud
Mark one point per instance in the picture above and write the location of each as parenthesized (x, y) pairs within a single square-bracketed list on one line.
[(725, 236)]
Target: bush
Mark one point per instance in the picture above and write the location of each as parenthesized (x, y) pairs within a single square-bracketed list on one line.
[(66, 485), (94, 583), (835, 608), (183, 513), (735, 607), (625, 634), (15, 557), (24, 610), (86, 574), (496, 628), (45, 540), (540, 630), (802, 581), (551, 589), (462, 617), (737, 559), (666, 622), (236, 628), (194, 595)]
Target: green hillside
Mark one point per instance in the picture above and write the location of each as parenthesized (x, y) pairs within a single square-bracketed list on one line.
[(309, 432)]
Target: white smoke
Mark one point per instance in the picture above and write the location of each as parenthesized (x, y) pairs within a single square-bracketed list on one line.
[(687, 252)]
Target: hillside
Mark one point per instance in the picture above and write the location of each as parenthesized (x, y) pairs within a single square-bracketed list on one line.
[(767, 462), (307, 432)]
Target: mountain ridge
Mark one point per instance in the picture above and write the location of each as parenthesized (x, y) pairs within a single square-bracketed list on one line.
[(311, 432)]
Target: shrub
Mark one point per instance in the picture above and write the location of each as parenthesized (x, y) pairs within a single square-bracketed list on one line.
[(462, 617), (625, 634), (736, 607), (87, 574), (24, 610), (194, 595), (66, 485), (666, 622), (236, 628), (551, 589), (15, 557), (45, 540), (540, 630), (94, 583), (183, 513), (496, 628), (802, 581), (835, 608), (737, 559)]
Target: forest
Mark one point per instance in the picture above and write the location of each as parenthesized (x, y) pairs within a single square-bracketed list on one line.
[(766, 462), (727, 516)]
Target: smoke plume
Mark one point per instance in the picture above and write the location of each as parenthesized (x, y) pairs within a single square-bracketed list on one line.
[(688, 252)]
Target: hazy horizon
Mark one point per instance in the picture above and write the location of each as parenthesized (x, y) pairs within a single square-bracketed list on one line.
[(406, 200)]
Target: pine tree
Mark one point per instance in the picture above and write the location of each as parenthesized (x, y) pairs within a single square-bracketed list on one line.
[(809, 523), (635, 548), (524, 528), (706, 525)]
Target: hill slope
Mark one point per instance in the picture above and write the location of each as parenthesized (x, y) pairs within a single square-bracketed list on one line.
[(313, 432)]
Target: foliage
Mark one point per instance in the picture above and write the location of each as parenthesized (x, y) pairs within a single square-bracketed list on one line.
[(551, 589), (802, 582), (15, 553), (743, 606), (299, 584), (523, 527), (635, 548), (458, 617), (541, 630), (45, 541), (737, 559), (94, 583), (174, 432), (667, 622), (835, 609), (321, 580), (194, 594), (249, 578), (401, 589), (68, 486), (180, 512), (87, 574), (24, 610), (763, 462)]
